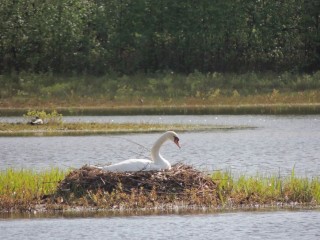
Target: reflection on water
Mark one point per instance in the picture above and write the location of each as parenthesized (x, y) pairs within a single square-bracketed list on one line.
[(277, 145), (237, 225)]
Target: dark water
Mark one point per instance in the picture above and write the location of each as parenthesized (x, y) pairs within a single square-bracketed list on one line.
[(277, 145), (285, 225)]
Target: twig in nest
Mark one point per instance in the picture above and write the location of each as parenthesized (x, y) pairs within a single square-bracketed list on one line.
[(177, 180)]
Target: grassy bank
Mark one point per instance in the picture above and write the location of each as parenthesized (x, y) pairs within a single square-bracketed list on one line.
[(24, 190), (23, 129), (184, 109), (162, 93)]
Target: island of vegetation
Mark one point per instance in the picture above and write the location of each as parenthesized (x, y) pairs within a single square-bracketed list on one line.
[(53, 125), (182, 187)]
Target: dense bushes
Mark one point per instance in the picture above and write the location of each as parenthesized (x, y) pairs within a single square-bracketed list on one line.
[(97, 37)]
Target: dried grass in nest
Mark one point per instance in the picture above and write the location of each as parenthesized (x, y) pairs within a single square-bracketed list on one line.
[(177, 180)]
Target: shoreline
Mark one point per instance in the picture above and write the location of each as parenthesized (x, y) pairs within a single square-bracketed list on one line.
[(197, 109), (164, 209), (87, 129)]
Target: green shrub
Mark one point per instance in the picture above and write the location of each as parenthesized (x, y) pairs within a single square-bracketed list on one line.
[(50, 118), (57, 90)]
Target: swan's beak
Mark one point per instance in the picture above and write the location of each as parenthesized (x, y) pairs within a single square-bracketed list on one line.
[(176, 141)]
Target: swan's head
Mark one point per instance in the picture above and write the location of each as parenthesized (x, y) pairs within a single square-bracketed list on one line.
[(173, 137)]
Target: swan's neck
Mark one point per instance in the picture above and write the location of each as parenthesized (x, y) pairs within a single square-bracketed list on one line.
[(155, 152)]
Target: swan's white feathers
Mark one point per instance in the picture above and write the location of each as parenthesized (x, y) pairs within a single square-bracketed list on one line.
[(157, 162), (134, 165)]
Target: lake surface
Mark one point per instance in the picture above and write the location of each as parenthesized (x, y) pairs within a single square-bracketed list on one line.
[(284, 225), (277, 145)]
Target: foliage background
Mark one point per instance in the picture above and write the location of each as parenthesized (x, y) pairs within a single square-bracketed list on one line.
[(128, 36)]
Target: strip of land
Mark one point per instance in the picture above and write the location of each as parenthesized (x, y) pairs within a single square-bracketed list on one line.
[(198, 109), (70, 129), (182, 187)]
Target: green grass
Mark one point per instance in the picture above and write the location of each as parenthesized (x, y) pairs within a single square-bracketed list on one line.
[(163, 93), (267, 189), (20, 129), (194, 108), (24, 189), (163, 85), (21, 188)]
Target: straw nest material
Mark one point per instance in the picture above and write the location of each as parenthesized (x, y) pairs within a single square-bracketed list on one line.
[(176, 180)]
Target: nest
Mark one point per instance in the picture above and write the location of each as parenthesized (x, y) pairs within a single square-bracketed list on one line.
[(176, 180)]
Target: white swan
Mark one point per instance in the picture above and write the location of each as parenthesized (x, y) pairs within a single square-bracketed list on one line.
[(157, 162), (36, 121)]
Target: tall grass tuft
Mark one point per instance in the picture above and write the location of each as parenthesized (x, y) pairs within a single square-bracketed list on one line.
[(266, 189), (24, 187)]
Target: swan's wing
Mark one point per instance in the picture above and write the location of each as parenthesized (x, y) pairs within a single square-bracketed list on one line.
[(132, 165), (37, 121)]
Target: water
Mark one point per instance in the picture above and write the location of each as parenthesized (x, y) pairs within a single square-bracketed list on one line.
[(277, 145), (236, 225)]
